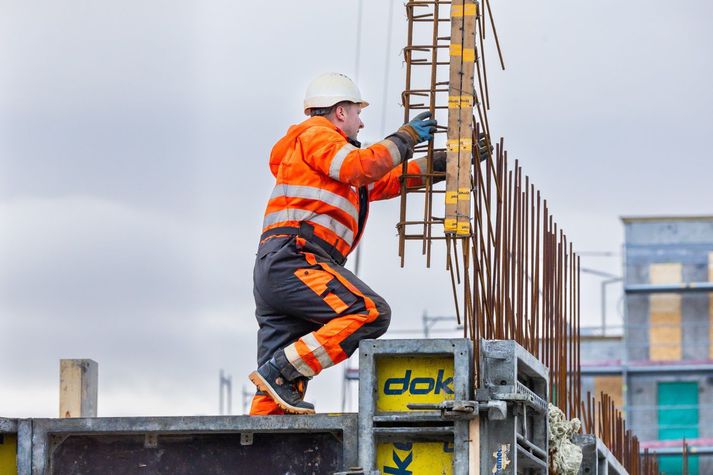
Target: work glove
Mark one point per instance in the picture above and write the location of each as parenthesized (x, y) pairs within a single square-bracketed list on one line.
[(439, 157), (439, 164), (484, 149), (420, 128)]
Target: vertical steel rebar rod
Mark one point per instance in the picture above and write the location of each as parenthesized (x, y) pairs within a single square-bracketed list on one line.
[(428, 197), (514, 273)]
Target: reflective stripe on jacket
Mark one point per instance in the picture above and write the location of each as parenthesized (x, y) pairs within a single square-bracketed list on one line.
[(320, 175)]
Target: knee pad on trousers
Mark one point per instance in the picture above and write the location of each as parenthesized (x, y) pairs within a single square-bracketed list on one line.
[(381, 324)]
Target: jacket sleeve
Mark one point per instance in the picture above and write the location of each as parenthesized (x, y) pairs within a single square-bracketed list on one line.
[(329, 152), (390, 185)]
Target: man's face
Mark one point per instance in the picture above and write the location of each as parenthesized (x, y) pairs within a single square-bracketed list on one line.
[(349, 119)]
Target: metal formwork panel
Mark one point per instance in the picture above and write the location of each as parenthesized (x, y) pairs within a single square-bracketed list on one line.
[(394, 373), (222, 444), (596, 458), (8, 426), (517, 442)]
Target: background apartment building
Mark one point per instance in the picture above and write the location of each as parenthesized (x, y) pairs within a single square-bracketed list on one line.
[(659, 367)]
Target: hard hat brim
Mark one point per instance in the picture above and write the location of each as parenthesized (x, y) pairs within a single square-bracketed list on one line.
[(329, 102)]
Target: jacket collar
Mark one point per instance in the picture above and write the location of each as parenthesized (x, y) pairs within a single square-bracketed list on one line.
[(324, 122)]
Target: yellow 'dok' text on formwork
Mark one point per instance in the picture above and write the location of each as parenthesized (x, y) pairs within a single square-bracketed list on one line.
[(403, 380), (417, 458), (665, 332)]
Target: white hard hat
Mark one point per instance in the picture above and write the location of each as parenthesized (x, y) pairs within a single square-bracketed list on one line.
[(329, 89)]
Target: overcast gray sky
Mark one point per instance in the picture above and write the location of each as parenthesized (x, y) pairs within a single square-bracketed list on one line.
[(134, 139)]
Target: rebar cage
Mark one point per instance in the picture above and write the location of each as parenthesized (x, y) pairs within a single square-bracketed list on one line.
[(514, 272)]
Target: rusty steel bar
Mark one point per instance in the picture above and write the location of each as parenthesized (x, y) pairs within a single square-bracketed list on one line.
[(609, 425), (514, 273), (406, 100), (495, 33), (685, 457), (428, 207)]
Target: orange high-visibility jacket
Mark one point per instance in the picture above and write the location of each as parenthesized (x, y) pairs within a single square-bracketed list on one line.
[(325, 181)]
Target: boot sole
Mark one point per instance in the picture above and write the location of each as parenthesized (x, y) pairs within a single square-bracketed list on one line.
[(262, 385)]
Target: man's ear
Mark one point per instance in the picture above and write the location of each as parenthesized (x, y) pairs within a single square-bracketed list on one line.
[(340, 113)]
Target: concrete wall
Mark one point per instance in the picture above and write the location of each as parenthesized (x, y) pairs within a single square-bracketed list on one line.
[(599, 349), (643, 391), (686, 242), (664, 231), (643, 394)]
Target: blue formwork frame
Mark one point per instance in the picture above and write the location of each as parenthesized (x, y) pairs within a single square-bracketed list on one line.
[(36, 436), (402, 424)]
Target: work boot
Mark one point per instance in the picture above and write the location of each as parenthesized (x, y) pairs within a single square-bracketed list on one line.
[(285, 393)]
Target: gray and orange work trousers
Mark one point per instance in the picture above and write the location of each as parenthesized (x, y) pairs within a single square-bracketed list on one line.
[(312, 311)]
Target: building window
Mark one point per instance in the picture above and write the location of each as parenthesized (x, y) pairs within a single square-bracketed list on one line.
[(613, 386), (665, 315)]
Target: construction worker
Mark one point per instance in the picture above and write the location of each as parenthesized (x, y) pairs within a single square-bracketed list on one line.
[(312, 311)]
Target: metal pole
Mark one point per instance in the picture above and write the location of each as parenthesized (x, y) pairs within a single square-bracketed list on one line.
[(229, 384), (357, 53), (220, 393), (345, 385), (245, 395), (387, 62), (604, 301)]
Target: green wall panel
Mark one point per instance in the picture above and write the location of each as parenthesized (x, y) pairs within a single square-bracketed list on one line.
[(678, 419)]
